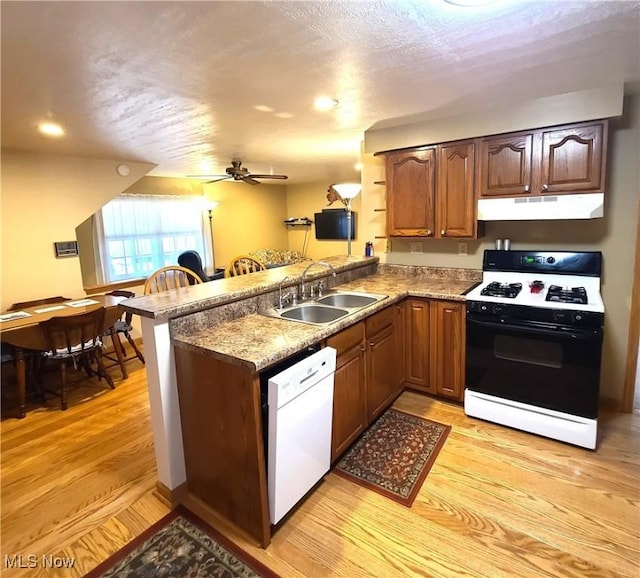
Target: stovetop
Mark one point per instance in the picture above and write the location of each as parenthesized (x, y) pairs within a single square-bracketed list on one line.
[(572, 292), (558, 280)]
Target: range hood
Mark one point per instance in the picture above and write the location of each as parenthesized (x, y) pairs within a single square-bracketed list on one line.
[(583, 206)]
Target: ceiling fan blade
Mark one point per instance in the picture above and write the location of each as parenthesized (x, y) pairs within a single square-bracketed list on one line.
[(220, 178), (248, 180), (269, 176)]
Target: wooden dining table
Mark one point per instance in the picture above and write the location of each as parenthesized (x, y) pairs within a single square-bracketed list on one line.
[(24, 333)]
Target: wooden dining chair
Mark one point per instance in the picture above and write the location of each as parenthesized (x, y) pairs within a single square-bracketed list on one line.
[(76, 339), (122, 326), (171, 277), (36, 302), (243, 264)]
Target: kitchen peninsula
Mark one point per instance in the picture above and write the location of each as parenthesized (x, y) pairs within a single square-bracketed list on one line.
[(206, 345)]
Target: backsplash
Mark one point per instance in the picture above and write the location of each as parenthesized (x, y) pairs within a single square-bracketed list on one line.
[(430, 272)]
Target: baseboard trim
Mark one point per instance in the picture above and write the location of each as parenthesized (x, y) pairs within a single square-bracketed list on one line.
[(171, 497)]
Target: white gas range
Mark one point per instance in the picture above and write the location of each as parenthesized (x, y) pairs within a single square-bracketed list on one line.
[(534, 340)]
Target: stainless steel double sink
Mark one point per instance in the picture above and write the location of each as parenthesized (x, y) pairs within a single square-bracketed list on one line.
[(335, 305)]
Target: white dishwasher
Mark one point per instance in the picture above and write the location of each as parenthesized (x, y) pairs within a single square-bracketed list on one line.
[(300, 411)]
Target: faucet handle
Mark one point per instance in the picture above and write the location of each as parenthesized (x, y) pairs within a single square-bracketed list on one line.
[(320, 288)]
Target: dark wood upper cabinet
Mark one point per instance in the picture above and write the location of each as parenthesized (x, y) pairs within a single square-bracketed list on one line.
[(410, 180), (573, 158), (505, 165), (455, 198), (557, 160)]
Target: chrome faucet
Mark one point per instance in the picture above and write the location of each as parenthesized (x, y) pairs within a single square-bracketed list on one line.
[(303, 292), (280, 302)]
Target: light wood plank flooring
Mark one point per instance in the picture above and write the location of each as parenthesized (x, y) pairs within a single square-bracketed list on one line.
[(497, 503)]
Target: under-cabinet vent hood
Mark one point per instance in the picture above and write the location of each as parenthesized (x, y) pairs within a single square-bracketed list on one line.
[(585, 206)]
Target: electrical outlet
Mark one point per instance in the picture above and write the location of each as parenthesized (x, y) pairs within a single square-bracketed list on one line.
[(416, 247), (463, 249)]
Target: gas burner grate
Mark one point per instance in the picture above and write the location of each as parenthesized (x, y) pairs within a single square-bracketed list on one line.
[(508, 290), (567, 294)]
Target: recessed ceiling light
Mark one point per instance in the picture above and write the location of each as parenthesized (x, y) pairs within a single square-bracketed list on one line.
[(263, 108), (283, 115), (325, 103), (50, 129)]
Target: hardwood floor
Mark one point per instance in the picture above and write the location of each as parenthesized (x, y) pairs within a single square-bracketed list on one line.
[(498, 502)]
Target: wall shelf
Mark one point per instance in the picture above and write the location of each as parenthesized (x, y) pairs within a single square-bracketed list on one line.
[(302, 221), (379, 210), (379, 182)]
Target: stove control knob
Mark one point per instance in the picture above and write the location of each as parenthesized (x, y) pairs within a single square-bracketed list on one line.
[(578, 317), (497, 308), (483, 308), (551, 260)]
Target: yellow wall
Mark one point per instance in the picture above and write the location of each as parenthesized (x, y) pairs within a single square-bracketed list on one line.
[(304, 201), (613, 235), (44, 199), (248, 217)]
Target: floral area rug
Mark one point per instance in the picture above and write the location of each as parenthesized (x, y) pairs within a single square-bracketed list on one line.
[(394, 456), (180, 545)]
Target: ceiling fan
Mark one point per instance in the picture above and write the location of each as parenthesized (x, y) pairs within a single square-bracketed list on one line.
[(239, 173)]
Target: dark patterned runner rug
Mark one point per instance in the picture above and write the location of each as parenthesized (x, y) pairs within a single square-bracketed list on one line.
[(394, 456), (181, 545)]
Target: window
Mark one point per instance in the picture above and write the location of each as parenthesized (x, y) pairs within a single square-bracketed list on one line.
[(138, 234)]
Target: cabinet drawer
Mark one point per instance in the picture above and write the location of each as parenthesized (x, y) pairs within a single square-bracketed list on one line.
[(379, 321), (347, 338)]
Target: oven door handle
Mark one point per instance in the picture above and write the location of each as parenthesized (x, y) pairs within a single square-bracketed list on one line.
[(530, 328)]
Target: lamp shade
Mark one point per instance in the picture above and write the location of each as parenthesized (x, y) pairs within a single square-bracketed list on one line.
[(347, 190)]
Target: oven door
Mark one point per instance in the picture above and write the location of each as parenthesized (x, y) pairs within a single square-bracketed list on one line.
[(543, 365)]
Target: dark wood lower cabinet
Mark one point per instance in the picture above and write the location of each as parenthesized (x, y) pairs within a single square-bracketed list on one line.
[(416, 348), (349, 399), (382, 364), (447, 350), (435, 347)]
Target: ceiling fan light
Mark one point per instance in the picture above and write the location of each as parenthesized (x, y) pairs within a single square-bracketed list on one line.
[(347, 190)]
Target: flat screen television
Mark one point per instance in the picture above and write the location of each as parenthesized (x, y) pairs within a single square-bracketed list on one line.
[(332, 224)]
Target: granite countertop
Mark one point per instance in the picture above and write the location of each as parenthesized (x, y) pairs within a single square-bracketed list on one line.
[(186, 300), (258, 341)]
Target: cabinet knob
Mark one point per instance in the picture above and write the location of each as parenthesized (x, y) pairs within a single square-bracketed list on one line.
[(443, 233), (545, 187), (363, 347), (371, 343), (526, 188), (429, 232)]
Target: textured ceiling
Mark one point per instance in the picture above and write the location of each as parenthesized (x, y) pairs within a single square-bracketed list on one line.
[(176, 83)]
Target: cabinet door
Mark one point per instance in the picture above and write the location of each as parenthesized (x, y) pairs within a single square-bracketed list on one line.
[(417, 344), (400, 345), (381, 372), (455, 198), (572, 158), (349, 401), (504, 165), (447, 348), (410, 193)]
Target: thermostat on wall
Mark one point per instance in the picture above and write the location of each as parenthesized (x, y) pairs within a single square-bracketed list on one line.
[(66, 248)]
